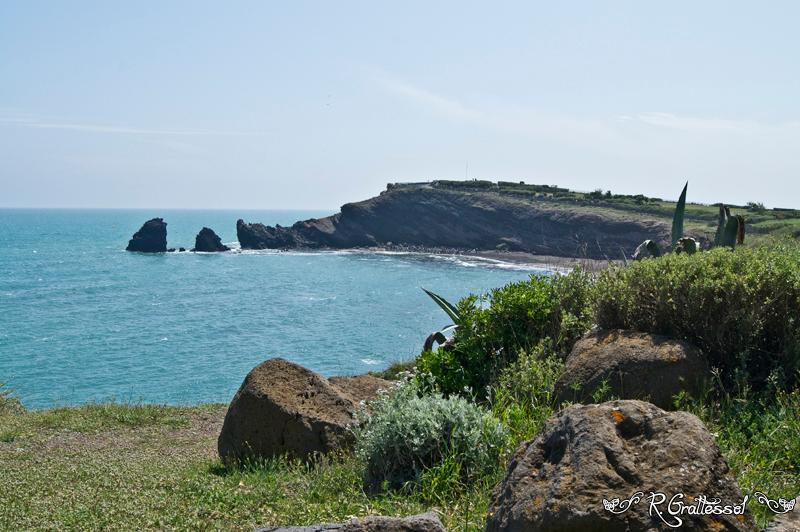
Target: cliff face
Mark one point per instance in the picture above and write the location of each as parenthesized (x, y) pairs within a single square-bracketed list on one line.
[(432, 217)]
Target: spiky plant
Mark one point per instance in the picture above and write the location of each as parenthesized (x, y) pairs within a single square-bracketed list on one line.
[(439, 337)]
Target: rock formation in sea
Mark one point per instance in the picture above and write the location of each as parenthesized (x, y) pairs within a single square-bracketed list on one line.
[(151, 238), (208, 241), (428, 216)]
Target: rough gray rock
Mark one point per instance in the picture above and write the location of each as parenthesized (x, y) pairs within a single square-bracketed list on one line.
[(427, 522), (635, 365), (788, 522), (589, 454), (284, 408), (208, 241), (151, 238)]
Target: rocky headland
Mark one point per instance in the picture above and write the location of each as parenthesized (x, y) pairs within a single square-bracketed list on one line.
[(460, 218)]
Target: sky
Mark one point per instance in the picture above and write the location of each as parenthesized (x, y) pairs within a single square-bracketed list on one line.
[(309, 105)]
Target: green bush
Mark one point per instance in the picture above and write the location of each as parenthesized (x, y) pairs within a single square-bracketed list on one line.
[(8, 403), (523, 396), (409, 433), (742, 308), (520, 316)]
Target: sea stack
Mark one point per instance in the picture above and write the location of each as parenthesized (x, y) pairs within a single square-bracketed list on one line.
[(151, 238), (208, 241)]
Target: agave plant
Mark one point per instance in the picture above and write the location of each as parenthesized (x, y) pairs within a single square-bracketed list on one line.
[(730, 232), (439, 337), (687, 245), (730, 228), (650, 247)]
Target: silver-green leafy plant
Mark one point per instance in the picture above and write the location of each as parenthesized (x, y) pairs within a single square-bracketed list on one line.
[(409, 432), (439, 337)]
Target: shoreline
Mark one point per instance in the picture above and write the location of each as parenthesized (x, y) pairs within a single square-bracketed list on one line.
[(547, 262)]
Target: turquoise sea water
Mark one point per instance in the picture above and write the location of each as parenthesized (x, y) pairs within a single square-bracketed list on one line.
[(83, 320)]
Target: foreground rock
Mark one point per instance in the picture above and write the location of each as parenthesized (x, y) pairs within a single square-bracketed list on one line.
[(284, 408), (434, 215), (634, 365), (151, 238), (589, 455), (208, 241), (428, 522), (788, 522)]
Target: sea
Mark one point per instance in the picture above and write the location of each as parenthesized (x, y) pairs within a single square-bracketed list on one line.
[(82, 320)]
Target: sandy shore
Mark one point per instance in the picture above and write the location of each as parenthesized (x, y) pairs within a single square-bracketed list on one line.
[(549, 262)]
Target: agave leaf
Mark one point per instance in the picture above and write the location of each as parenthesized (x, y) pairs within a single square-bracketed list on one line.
[(677, 219), (740, 234), (730, 233), (649, 247), (434, 338), (624, 256), (445, 305), (721, 221)]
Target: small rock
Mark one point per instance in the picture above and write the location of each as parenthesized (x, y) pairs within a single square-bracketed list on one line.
[(635, 365), (788, 522), (151, 238), (427, 522)]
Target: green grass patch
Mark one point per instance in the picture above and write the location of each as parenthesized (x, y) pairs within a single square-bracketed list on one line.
[(760, 439)]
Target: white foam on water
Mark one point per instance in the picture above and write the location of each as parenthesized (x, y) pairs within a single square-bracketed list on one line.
[(464, 261), (371, 361)]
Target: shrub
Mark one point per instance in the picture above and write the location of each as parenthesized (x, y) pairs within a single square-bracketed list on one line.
[(742, 308), (8, 403), (520, 316), (409, 433), (523, 396)]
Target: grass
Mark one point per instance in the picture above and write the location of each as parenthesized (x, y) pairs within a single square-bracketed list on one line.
[(760, 439), (143, 467)]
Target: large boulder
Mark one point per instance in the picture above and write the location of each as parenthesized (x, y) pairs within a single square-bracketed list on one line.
[(208, 241), (634, 365), (151, 238), (428, 522), (284, 408), (788, 521), (588, 457)]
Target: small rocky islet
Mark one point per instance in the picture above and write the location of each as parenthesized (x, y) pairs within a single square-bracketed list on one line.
[(152, 238)]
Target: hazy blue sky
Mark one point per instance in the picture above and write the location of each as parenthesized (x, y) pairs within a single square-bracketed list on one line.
[(312, 104)]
